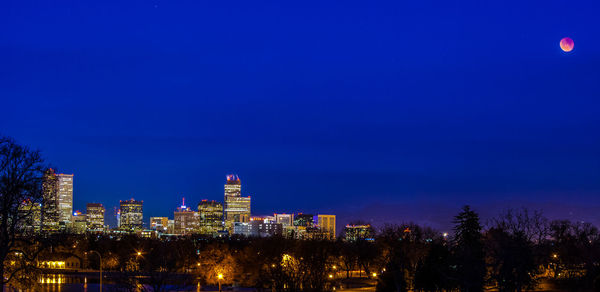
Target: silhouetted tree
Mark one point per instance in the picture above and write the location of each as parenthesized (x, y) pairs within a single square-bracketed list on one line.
[(469, 255), (434, 272), (21, 177)]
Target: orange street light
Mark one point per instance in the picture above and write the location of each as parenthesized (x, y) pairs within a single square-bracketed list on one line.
[(220, 277)]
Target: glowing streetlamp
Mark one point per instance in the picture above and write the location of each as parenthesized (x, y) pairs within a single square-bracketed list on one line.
[(220, 277), (374, 275)]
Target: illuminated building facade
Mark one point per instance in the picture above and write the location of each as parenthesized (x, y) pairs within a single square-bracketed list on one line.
[(32, 214), (286, 220), (131, 215), (256, 228), (211, 217), (358, 232), (50, 211), (159, 224), (303, 220), (95, 217), (326, 223), (65, 197), (79, 223), (237, 208), (186, 221)]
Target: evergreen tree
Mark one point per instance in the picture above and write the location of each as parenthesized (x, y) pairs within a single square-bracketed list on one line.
[(469, 254)]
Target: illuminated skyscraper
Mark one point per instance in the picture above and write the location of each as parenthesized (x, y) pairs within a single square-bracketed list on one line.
[(95, 217), (65, 197), (237, 208), (326, 223), (50, 211), (186, 221), (32, 217), (211, 217), (131, 214)]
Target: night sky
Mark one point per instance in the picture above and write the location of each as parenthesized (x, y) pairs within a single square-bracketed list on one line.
[(383, 111)]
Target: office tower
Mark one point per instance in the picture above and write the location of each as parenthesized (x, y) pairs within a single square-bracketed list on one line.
[(95, 217), (186, 220), (359, 232), (303, 220), (79, 223), (211, 217), (326, 223), (286, 220), (65, 197), (131, 215), (237, 208), (50, 211), (31, 214), (159, 224)]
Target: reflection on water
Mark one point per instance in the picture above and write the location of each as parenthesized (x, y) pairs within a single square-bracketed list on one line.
[(67, 283)]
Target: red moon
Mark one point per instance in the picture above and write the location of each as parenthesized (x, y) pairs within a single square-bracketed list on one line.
[(567, 44)]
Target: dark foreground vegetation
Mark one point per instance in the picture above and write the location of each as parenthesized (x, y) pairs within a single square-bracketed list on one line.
[(513, 252)]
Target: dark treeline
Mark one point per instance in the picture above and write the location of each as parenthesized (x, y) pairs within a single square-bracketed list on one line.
[(517, 250)]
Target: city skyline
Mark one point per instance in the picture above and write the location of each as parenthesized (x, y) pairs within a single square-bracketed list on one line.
[(368, 111)]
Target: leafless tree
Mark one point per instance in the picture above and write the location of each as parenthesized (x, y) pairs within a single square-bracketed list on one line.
[(21, 177)]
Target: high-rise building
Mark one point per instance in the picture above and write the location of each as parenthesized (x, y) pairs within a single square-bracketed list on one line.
[(304, 220), (159, 224), (286, 220), (79, 223), (32, 217), (50, 212), (65, 197), (326, 223), (95, 217), (131, 214), (187, 221), (237, 208), (211, 217)]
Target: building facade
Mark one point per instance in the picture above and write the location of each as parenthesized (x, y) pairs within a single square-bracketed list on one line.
[(32, 217), (211, 217), (286, 220), (187, 221), (237, 208), (95, 217), (160, 224), (131, 215), (50, 212), (326, 223), (65, 197), (359, 232)]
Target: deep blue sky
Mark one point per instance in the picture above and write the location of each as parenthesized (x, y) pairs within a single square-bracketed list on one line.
[(395, 111)]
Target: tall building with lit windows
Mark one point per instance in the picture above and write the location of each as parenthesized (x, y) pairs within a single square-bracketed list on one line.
[(95, 217), (211, 217), (326, 223), (131, 215), (65, 197), (237, 208), (187, 221), (50, 214)]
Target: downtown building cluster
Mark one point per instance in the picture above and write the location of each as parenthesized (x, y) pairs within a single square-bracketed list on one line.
[(234, 217), (211, 218)]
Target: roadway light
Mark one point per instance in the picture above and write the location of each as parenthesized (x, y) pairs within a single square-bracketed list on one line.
[(374, 275), (330, 276)]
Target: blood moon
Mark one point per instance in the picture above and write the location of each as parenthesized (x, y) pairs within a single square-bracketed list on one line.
[(567, 44)]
